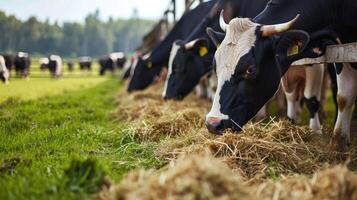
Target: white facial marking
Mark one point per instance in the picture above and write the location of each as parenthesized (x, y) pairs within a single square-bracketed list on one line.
[(240, 38), (173, 53)]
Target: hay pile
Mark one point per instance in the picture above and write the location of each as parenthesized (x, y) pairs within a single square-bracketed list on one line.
[(204, 177), (153, 118), (264, 151)]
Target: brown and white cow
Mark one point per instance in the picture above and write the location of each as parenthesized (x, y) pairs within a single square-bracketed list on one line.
[(304, 83)]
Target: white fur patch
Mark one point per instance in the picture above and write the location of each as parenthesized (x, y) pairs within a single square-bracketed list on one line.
[(173, 53)]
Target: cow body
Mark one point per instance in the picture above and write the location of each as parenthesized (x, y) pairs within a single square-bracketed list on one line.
[(55, 66), (70, 66), (22, 64), (304, 83), (266, 52), (151, 65), (85, 63), (188, 63), (44, 63)]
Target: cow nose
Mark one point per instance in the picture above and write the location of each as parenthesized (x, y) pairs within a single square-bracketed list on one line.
[(214, 125)]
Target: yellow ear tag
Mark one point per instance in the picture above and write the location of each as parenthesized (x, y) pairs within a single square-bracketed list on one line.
[(203, 51), (149, 64), (293, 50)]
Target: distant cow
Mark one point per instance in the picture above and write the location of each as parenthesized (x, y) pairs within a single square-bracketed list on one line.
[(43, 63), (22, 64), (4, 72), (112, 62), (55, 66), (85, 63), (70, 66)]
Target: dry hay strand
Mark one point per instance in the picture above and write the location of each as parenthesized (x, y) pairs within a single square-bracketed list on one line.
[(194, 177), (204, 177), (153, 118)]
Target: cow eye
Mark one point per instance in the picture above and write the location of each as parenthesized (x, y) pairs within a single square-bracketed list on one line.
[(250, 71)]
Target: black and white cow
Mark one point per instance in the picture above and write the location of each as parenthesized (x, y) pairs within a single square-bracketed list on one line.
[(55, 66), (253, 57), (4, 72), (43, 62), (85, 63), (22, 64), (191, 59), (112, 62), (151, 65)]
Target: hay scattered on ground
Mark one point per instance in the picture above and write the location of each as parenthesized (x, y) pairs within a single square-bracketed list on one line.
[(204, 177), (154, 118), (262, 153)]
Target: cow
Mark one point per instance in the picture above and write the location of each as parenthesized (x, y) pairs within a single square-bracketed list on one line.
[(4, 72), (85, 63), (192, 58), (249, 73), (112, 62), (299, 83), (43, 63), (55, 66), (119, 58), (150, 65), (70, 66), (22, 64)]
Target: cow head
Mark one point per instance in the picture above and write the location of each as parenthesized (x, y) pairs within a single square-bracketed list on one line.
[(187, 64), (143, 74), (249, 64)]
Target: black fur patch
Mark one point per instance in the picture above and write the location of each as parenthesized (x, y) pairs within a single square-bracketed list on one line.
[(338, 67), (312, 105)]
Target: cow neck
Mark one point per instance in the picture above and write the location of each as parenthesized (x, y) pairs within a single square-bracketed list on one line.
[(314, 14), (161, 52)]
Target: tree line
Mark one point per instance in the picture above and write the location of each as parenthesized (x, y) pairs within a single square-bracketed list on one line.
[(94, 37)]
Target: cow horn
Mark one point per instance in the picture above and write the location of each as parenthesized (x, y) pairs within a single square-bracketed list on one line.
[(269, 30), (222, 23), (190, 45)]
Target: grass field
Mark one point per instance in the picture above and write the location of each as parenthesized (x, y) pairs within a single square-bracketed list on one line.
[(61, 146)]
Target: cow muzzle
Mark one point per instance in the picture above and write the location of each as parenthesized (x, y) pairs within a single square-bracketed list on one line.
[(215, 125)]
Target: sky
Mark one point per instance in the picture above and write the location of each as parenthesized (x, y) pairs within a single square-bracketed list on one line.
[(76, 10)]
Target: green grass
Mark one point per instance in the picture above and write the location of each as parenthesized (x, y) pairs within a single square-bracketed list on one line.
[(61, 147), (40, 87)]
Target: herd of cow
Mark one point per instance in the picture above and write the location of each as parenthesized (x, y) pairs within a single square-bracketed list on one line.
[(21, 63), (238, 53)]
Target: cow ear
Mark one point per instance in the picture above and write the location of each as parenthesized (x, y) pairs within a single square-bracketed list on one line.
[(296, 44), (216, 37), (198, 46), (291, 44)]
